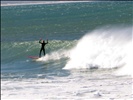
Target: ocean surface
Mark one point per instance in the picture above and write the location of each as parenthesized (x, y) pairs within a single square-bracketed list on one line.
[(88, 55)]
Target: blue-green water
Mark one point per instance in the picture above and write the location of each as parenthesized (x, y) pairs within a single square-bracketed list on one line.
[(64, 25), (61, 21)]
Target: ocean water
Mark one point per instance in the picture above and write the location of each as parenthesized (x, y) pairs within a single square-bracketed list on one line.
[(88, 55)]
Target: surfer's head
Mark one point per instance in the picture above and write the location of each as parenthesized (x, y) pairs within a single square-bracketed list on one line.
[(43, 41)]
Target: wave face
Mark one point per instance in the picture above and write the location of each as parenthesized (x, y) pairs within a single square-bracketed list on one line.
[(15, 56)]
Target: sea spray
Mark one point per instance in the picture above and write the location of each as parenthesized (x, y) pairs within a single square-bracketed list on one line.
[(102, 48), (56, 55)]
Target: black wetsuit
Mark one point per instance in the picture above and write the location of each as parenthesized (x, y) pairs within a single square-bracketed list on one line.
[(43, 47)]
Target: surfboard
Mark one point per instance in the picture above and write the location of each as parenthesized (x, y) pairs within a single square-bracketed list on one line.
[(33, 57)]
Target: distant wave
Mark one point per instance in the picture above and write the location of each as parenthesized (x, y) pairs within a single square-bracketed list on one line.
[(18, 3)]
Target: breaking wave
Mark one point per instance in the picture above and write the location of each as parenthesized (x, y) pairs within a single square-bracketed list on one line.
[(103, 48)]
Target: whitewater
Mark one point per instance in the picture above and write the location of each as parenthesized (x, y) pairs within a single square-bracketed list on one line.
[(111, 49)]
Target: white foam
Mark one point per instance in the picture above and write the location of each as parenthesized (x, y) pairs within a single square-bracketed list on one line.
[(72, 87), (127, 69), (55, 55)]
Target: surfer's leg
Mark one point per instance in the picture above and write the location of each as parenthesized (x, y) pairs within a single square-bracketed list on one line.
[(44, 52), (40, 53)]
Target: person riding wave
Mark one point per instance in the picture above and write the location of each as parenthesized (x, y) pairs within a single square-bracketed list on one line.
[(43, 43)]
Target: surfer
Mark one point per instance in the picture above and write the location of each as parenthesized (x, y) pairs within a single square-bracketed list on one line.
[(43, 46)]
